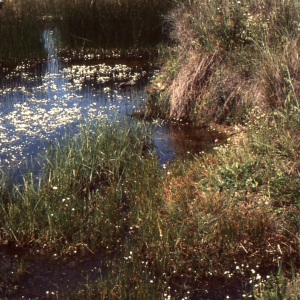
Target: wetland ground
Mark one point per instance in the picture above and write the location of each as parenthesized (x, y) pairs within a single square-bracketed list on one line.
[(98, 204)]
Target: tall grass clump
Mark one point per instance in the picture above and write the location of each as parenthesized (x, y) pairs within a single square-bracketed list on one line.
[(83, 194), (226, 219), (100, 192), (231, 56), (229, 218)]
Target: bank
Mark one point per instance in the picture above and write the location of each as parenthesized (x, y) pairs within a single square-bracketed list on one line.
[(223, 224), (235, 66)]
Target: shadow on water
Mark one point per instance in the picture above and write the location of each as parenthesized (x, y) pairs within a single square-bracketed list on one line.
[(173, 140), (84, 25), (27, 276)]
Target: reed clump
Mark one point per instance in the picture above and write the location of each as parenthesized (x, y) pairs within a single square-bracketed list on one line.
[(231, 56)]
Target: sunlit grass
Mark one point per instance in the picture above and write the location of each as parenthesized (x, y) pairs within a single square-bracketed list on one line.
[(229, 218), (228, 215), (71, 195), (230, 56)]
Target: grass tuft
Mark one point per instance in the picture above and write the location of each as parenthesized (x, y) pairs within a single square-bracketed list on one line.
[(231, 56)]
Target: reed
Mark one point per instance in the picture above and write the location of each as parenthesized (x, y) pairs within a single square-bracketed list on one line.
[(231, 56)]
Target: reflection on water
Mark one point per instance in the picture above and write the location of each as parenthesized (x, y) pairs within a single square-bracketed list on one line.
[(51, 40), (40, 104), (47, 278), (175, 140)]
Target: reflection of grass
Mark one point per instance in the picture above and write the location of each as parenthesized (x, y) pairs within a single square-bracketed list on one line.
[(112, 24), (20, 32), (83, 25)]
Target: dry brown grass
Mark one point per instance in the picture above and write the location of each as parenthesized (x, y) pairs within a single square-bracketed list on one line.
[(219, 88), (208, 89), (231, 57), (293, 287), (280, 76), (190, 83)]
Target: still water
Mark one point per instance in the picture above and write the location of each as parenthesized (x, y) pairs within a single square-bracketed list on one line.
[(40, 103)]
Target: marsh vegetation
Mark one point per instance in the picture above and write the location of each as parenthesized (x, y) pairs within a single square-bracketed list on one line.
[(220, 224)]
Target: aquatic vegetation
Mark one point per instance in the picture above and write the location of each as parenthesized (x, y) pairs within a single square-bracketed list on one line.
[(230, 216), (58, 100), (219, 224)]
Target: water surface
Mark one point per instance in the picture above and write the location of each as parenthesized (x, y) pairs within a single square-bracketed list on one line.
[(39, 103)]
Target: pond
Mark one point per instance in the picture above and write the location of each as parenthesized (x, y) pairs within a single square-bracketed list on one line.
[(40, 103)]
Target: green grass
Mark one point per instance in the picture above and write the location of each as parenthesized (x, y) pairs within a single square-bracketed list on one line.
[(83, 188), (229, 217), (225, 216)]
